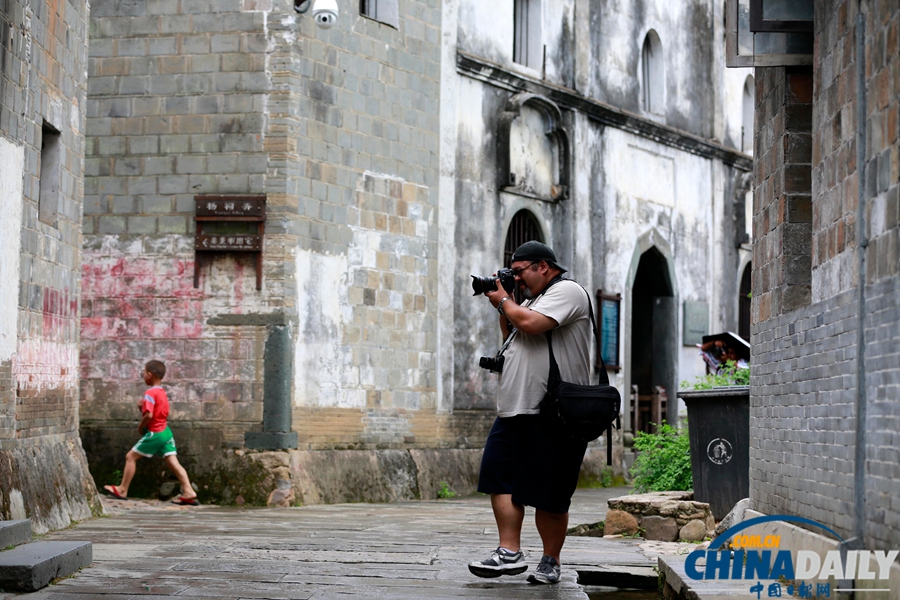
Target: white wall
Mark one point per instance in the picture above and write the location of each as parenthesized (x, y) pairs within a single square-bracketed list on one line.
[(12, 163)]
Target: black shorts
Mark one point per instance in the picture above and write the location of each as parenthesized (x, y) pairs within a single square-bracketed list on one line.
[(535, 463)]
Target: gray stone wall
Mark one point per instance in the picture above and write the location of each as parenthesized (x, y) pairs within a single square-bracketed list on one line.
[(43, 48)]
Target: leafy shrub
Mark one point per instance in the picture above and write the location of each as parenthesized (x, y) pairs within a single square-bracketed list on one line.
[(664, 462), (445, 491), (729, 374)]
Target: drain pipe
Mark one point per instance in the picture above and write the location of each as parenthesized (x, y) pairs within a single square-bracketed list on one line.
[(857, 542), (859, 473)]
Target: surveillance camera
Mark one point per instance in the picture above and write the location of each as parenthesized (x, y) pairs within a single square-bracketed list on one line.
[(325, 12)]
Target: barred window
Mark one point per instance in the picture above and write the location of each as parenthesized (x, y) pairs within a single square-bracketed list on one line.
[(524, 227)]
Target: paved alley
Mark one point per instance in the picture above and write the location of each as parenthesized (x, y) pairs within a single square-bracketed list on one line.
[(151, 551)]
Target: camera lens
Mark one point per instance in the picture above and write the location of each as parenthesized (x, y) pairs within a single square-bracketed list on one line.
[(481, 285)]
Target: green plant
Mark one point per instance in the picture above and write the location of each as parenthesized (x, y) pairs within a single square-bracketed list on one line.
[(445, 491), (664, 461), (604, 479), (729, 374)]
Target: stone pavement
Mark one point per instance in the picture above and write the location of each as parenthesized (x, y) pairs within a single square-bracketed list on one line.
[(153, 551)]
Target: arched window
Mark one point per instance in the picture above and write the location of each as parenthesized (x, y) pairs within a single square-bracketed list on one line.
[(653, 75), (748, 105), (524, 227), (744, 304)]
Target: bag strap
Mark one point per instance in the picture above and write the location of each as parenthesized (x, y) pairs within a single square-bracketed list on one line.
[(603, 377)]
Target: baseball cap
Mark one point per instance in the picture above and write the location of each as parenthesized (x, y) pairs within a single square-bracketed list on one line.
[(536, 251)]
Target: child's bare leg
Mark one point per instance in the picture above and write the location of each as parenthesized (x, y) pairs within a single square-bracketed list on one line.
[(187, 491), (128, 472)]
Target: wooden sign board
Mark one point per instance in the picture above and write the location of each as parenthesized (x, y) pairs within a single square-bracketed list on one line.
[(250, 208), (235, 242)]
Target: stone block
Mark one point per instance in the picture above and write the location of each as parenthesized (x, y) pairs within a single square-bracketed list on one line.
[(693, 531), (620, 522), (31, 567), (13, 533), (664, 529)]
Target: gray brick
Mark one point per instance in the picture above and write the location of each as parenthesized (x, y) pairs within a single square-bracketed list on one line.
[(141, 185), (173, 224), (111, 225), (173, 185), (123, 205), (156, 204), (225, 43), (163, 165), (141, 224), (174, 24), (195, 44), (132, 47), (162, 46)]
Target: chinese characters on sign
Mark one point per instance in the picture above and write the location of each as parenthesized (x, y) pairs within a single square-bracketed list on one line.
[(229, 242), (229, 224), (253, 209)]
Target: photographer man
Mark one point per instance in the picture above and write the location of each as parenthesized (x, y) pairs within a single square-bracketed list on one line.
[(527, 462)]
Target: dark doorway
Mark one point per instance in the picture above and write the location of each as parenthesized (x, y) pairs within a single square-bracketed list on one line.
[(744, 304), (653, 343)]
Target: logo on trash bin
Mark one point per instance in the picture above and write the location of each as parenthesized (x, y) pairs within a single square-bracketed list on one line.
[(719, 451)]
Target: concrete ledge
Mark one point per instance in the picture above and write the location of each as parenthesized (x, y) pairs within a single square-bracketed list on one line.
[(13, 533), (32, 566)]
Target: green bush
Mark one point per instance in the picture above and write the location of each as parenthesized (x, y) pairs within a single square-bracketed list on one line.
[(730, 374), (664, 462), (445, 491)]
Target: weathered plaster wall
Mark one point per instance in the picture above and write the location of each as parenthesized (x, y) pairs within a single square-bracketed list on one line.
[(43, 48), (624, 185)]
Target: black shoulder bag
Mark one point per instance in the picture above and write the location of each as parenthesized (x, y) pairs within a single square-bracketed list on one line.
[(584, 411)]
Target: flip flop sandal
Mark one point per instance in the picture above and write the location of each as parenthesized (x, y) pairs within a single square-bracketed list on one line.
[(114, 492), (185, 501)]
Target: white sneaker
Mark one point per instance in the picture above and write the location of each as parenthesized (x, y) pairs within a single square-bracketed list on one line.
[(501, 562)]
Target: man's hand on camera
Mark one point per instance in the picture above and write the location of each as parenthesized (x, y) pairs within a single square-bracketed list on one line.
[(497, 294)]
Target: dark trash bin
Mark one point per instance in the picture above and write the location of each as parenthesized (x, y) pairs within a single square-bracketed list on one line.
[(719, 433)]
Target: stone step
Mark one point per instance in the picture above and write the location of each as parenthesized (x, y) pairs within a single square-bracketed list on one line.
[(30, 567), (13, 533)]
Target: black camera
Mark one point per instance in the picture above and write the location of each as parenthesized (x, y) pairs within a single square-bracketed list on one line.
[(494, 364), (486, 284)]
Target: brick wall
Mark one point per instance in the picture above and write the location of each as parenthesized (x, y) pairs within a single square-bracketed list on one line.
[(43, 55), (883, 274), (781, 197), (176, 108), (804, 388), (339, 130)]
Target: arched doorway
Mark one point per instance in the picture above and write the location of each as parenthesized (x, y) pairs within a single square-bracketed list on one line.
[(653, 342)]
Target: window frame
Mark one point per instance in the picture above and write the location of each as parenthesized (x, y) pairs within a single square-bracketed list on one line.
[(386, 12)]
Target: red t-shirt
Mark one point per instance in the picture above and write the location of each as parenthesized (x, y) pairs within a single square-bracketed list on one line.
[(156, 403)]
